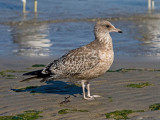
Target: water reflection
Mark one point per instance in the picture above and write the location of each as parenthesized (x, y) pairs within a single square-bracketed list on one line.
[(31, 38), (150, 32), (151, 5), (141, 36)]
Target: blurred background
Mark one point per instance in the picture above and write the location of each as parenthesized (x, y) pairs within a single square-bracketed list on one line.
[(62, 25)]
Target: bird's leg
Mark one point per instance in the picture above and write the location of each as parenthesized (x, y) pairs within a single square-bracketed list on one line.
[(88, 91), (83, 89)]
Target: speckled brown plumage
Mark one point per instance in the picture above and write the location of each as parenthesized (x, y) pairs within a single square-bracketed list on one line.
[(86, 62)]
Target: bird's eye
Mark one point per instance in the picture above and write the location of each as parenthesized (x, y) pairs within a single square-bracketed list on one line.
[(107, 26)]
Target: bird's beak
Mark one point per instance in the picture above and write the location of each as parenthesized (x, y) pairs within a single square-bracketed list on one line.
[(117, 30)]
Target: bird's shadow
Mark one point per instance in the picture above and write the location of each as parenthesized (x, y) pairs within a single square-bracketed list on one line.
[(53, 87)]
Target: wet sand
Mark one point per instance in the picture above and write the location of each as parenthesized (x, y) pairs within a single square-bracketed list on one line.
[(56, 31), (112, 87)]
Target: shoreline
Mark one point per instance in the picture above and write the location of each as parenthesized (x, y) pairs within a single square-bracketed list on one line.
[(119, 62)]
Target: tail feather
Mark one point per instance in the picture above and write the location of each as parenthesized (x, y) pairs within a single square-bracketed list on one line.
[(28, 79), (36, 74)]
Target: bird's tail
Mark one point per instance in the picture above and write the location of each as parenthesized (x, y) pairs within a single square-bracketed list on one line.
[(36, 72), (28, 79), (35, 75)]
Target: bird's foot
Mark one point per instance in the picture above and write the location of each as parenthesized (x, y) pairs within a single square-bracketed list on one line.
[(94, 96), (91, 97)]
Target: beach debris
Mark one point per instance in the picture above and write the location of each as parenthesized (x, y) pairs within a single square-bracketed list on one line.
[(139, 85), (27, 115), (65, 111), (154, 107), (38, 65), (66, 100), (5, 74), (122, 114), (110, 99)]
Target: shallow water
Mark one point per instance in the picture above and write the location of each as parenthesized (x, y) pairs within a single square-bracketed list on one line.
[(61, 26)]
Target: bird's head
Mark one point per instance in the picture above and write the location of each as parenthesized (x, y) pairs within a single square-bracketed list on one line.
[(104, 27)]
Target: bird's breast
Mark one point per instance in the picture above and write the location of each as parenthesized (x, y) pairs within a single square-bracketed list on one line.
[(106, 60), (106, 56)]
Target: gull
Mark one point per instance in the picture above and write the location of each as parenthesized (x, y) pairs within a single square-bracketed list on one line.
[(84, 63), (24, 6)]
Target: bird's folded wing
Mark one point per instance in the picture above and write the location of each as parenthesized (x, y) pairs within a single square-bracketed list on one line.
[(74, 62)]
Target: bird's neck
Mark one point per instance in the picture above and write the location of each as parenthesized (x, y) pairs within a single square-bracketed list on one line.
[(104, 39)]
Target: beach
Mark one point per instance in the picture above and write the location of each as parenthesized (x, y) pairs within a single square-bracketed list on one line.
[(17, 97), (129, 89)]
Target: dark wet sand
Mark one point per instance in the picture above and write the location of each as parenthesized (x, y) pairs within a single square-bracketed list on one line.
[(111, 85)]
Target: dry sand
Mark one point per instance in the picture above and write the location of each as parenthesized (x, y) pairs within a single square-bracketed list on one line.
[(111, 86)]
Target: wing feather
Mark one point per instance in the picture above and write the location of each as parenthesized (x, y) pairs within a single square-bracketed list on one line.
[(74, 62)]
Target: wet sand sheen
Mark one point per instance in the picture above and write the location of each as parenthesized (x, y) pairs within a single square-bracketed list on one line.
[(111, 86)]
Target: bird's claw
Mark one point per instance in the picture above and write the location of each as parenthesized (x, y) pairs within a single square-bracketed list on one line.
[(89, 98), (92, 97), (96, 96)]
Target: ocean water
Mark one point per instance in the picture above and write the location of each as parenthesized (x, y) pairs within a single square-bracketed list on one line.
[(61, 25)]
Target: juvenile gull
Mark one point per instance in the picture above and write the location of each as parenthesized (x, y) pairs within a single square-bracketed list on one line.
[(84, 63)]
